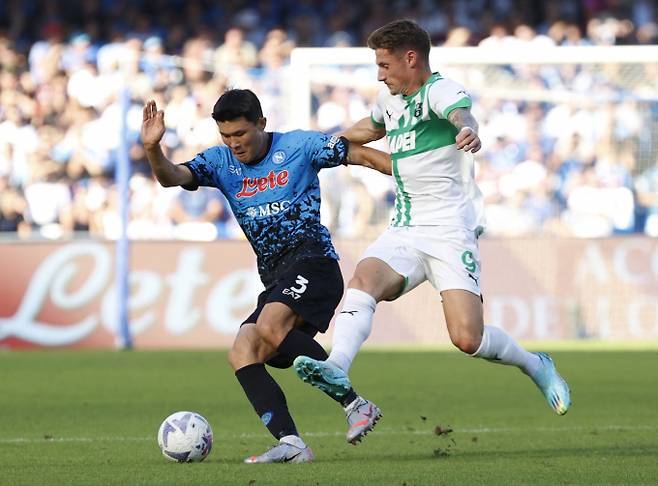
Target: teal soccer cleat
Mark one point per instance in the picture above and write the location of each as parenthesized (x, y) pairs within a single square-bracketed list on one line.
[(323, 375), (552, 385)]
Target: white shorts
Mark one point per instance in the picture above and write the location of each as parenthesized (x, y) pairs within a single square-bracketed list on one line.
[(446, 256)]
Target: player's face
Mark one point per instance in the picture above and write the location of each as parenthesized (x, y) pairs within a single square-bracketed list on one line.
[(394, 70), (247, 140)]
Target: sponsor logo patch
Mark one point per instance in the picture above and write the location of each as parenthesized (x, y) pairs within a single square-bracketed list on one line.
[(402, 142), (253, 185), (269, 209), (266, 417), (278, 157), (296, 291)]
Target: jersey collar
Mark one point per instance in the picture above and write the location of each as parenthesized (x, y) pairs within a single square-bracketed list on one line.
[(433, 77)]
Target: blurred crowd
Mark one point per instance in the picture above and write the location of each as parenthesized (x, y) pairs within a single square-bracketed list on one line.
[(579, 158), (581, 166)]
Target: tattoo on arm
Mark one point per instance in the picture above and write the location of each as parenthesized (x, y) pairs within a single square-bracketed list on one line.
[(462, 117)]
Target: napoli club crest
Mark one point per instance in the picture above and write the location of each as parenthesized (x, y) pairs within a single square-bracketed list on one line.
[(278, 157)]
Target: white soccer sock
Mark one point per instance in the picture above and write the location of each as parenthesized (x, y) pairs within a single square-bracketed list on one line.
[(352, 327), (500, 347)]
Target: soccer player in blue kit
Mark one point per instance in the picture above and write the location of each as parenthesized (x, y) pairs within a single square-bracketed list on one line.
[(270, 180)]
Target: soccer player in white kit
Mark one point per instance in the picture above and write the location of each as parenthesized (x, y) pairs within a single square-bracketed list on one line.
[(436, 222)]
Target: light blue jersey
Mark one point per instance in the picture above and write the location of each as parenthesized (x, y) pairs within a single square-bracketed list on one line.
[(276, 201)]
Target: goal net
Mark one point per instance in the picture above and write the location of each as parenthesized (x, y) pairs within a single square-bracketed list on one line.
[(554, 122)]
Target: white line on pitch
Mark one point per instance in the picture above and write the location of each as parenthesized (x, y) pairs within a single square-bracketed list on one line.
[(379, 431)]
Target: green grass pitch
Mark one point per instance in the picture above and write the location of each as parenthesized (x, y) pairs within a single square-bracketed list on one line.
[(80, 417)]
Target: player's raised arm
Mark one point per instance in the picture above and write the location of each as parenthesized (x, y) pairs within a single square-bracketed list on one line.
[(467, 139), (153, 128), (369, 157), (363, 131)]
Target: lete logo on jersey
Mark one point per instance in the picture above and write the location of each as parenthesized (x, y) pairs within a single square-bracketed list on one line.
[(252, 186)]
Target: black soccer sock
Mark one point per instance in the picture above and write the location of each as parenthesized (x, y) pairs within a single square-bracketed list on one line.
[(346, 399), (298, 343), (267, 398)]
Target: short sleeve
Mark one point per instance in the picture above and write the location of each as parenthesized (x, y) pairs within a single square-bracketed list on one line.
[(205, 168), (326, 151), (377, 116), (445, 95)]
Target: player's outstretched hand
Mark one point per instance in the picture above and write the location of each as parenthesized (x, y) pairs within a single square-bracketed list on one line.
[(153, 126), (468, 140)]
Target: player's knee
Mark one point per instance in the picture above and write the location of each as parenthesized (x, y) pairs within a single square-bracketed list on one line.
[(357, 282), (468, 343), (271, 333), (380, 285), (235, 357), (365, 284), (243, 352), (246, 352)]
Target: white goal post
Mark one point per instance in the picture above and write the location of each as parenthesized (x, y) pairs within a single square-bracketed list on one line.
[(592, 107), (304, 63)]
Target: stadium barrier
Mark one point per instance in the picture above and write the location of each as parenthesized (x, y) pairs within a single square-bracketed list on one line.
[(195, 295)]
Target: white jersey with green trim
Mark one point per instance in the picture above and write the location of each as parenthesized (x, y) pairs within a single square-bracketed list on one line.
[(434, 180)]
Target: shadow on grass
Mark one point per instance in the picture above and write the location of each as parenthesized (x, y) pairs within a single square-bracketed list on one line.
[(597, 452)]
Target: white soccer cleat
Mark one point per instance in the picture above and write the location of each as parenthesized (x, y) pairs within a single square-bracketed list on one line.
[(362, 416), (289, 449)]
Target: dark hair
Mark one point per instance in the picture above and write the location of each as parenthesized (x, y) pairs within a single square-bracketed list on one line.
[(402, 35), (236, 103)]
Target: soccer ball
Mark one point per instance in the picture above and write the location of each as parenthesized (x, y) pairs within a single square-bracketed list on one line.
[(185, 437)]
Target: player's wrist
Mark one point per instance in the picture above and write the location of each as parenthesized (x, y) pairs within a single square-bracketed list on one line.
[(350, 149), (151, 146)]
